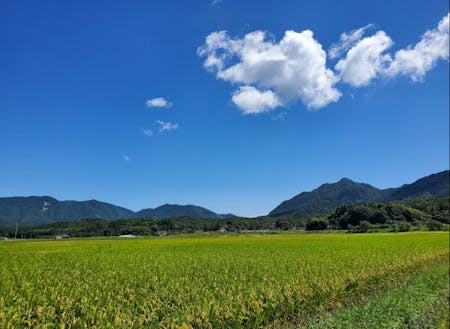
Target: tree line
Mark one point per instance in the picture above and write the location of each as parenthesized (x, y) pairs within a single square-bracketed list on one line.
[(425, 214)]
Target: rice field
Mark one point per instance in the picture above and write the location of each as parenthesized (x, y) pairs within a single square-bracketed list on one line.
[(250, 281)]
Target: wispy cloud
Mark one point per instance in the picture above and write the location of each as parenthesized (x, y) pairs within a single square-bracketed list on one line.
[(126, 158), (159, 102), (166, 126), (347, 41), (280, 116), (215, 2), (148, 132)]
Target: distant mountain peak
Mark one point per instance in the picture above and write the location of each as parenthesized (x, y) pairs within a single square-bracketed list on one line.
[(176, 210), (345, 180), (346, 192)]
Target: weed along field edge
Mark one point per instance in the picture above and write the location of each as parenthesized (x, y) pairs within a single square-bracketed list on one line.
[(230, 281)]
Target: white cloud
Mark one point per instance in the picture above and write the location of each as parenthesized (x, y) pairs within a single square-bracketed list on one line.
[(366, 60), (158, 102), (166, 126), (215, 2), (126, 158), (253, 101), (347, 41), (215, 41), (148, 132), (292, 69), (416, 61), (270, 74)]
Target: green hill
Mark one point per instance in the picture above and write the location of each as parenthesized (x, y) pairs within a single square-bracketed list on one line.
[(173, 211), (36, 210), (346, 192)]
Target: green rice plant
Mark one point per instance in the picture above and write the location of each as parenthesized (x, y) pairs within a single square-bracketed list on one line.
[(201, 282)]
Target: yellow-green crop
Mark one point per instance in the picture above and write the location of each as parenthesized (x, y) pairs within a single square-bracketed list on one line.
[(221, 282)]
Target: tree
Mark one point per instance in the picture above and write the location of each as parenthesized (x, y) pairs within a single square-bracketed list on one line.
[(434, 225), (317, 224), (283, 224), (363, 226)]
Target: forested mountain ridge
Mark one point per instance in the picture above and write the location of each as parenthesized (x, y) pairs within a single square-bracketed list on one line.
[(174, 210), (35, 210), (347, 192)]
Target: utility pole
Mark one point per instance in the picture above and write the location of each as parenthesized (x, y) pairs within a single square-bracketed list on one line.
[(17, 226)]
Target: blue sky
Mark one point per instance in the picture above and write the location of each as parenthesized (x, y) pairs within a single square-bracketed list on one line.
[(127, 102)]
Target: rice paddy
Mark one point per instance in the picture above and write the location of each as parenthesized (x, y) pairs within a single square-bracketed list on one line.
[(249, 281)]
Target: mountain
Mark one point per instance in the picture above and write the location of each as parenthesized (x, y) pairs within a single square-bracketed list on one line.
[(35, 210), (346, 192), (173, 210), (436, 185), (327, 197), (38, 210), (226, 216)]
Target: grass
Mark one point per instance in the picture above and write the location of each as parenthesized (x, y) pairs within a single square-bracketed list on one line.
[(230, 281), (420, 302)]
